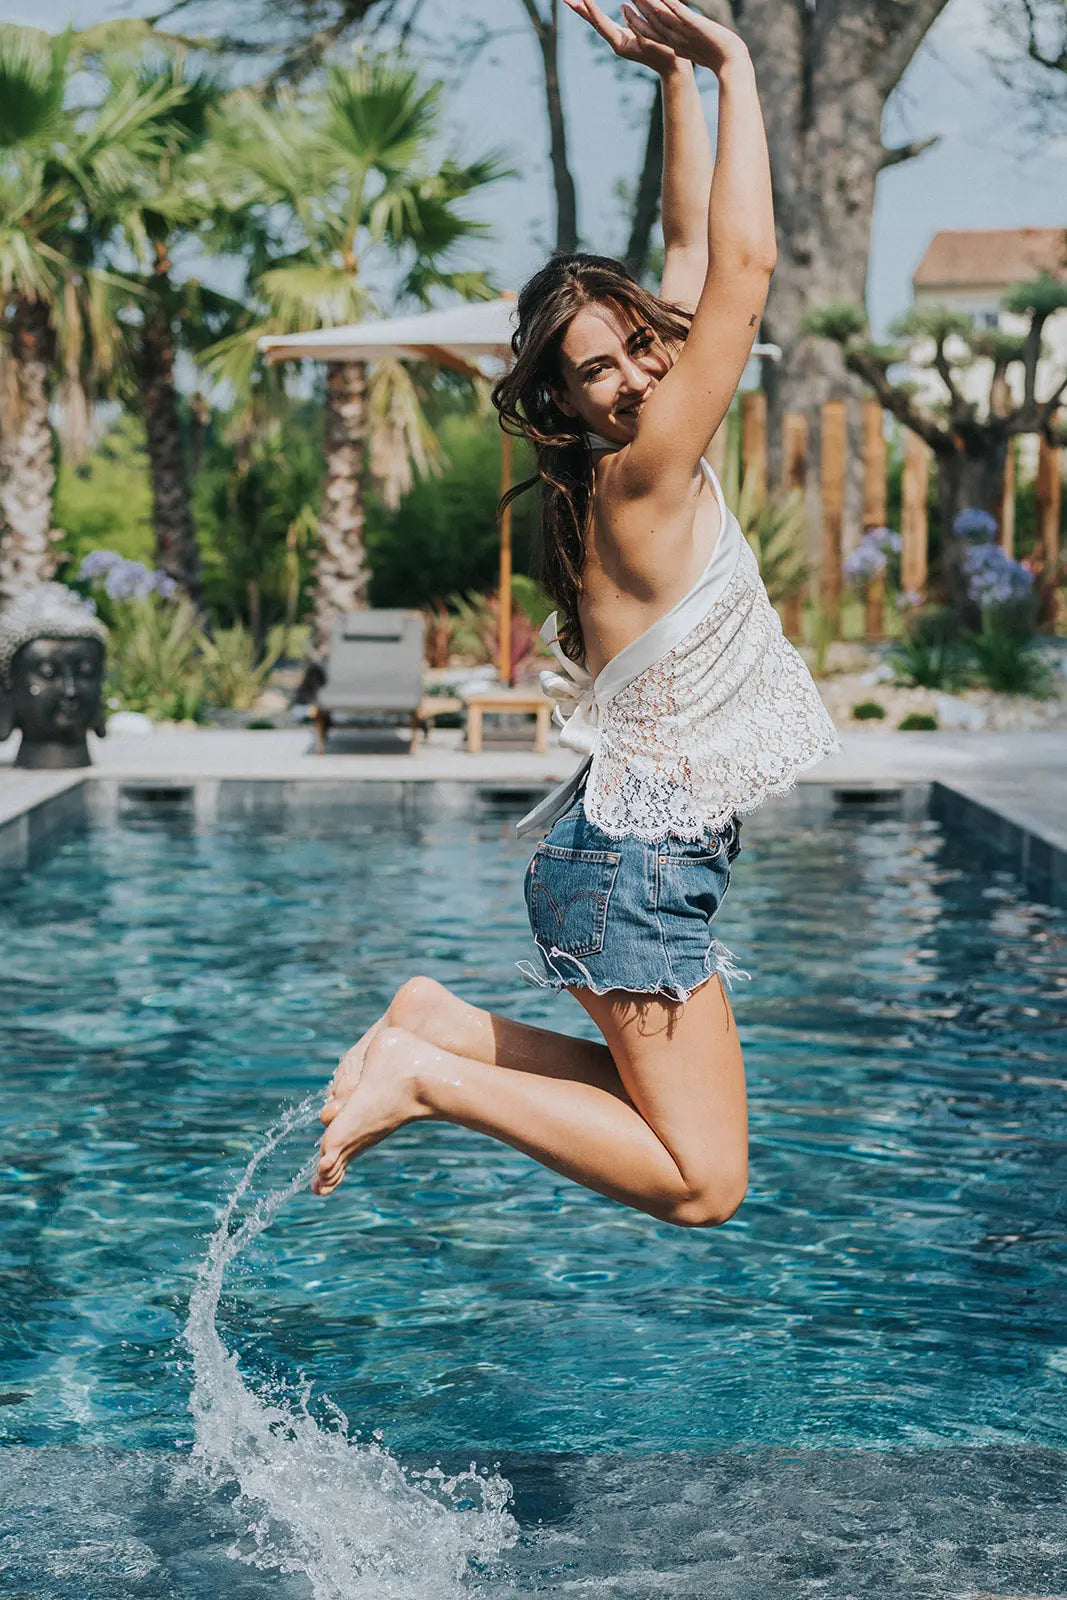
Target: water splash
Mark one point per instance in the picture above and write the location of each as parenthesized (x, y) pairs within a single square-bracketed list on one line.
[(344, 1514)]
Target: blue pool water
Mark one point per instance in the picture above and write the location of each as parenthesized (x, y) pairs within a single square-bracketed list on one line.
[(853, 1375)]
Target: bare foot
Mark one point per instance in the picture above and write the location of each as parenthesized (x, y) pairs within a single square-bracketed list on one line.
[(384, 1099), (349, 1071)]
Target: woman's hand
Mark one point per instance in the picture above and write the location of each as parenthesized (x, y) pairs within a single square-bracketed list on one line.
[(626, 43), (674, 26)]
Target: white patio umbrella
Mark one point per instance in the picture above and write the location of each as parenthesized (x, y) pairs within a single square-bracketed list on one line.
[(473, 338)]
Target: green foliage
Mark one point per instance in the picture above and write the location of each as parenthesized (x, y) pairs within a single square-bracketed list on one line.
[(445, 536), (1042, 296), (868, 711), (106, 502), (530, 598), (776, 527), (254, 503), (476, 633), (154, 661), (918, 722), (1007, 660), (837, 321), (933, 322), (932, 654), (235, 672)]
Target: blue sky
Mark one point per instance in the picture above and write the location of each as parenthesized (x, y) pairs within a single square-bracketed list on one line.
[(985, 173)]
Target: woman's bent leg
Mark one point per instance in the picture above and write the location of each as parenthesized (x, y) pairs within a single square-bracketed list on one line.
[(675, 1146), (427, 1009)]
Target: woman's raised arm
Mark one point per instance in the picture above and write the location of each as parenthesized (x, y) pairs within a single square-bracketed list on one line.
[(687, 161), (680, 418)]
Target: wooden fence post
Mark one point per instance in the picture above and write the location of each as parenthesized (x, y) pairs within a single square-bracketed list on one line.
[(1049, 494), (1007, 502), (794, 479), (913, 523), (832, 466), (874, 506), (754, 442)]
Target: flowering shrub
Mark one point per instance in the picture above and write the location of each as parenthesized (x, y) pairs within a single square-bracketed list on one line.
[(993, 578), (124, 579), (975, 527), (871, 556)]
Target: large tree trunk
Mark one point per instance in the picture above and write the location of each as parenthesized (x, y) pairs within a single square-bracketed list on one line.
[(27, 459), (825, 73), (649, 194), (341, 572), (176, 549)]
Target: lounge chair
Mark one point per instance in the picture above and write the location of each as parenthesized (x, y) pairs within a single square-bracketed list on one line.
[(374, 668)]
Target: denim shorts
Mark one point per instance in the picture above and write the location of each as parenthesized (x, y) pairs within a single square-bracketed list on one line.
[(612, 914)]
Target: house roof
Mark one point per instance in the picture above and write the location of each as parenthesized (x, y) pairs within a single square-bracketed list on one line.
[(965, 258)]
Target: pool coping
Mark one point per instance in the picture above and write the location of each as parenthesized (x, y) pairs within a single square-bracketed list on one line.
[(1012, 790)]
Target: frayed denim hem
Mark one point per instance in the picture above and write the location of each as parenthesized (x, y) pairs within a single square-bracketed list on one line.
[(719, 962)]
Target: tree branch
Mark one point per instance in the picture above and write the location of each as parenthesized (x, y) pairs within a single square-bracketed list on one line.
[(1034, 48), (893, 155), (546, 31), (902, 26), (899, 403), (649, 189)]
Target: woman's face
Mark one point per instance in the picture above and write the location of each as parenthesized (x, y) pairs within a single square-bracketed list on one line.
[(609, 365)]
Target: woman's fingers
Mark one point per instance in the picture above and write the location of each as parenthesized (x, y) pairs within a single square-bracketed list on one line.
[(645, 24), (621, 40)]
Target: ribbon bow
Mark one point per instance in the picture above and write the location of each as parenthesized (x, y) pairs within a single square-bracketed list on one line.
[(572, 689)]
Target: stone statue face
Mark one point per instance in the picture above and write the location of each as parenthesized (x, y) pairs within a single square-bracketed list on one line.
[(55, 699)]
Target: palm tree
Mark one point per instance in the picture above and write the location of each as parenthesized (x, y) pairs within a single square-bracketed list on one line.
[(173, 197), (348, 195), (59, 168)]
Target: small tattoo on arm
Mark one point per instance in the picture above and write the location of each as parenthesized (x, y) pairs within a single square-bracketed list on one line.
[(752, 321)]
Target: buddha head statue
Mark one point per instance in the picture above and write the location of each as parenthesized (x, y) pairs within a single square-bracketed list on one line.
[(52, 654)]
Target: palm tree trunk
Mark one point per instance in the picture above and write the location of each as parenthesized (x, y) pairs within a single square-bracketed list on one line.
[(176, 548), (27, 456), (341, 568)]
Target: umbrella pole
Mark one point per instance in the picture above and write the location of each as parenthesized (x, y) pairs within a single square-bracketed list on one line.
[(505, 563)]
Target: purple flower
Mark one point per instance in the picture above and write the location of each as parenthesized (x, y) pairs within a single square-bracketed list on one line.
[(865, 563), (993, 578), (97, 564), (909, 600), (165, 585), (129, 580), (976, 527), (870, 557), (886, 539)]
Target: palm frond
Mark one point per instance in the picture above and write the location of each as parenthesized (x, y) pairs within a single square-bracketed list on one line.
[(379, 114), (33, 81)]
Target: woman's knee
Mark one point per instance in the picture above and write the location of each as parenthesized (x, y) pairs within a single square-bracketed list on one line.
[(710, 1205), (415, 1002)]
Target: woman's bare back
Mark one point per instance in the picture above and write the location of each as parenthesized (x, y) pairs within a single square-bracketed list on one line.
[(624, 594)]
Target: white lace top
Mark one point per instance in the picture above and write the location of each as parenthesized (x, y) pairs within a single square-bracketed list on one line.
[(704, 715)]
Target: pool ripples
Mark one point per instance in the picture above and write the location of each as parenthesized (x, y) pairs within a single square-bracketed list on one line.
[(895, 1277)]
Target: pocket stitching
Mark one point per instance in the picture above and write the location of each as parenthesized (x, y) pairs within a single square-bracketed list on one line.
[(601, 896)]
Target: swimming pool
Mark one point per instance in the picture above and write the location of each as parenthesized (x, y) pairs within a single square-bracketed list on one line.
[(861, 1380)]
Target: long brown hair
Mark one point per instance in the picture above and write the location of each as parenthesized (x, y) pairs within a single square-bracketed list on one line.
[(523, 397)]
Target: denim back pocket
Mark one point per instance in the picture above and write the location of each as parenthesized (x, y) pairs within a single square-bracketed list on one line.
[(567, 892), (693, 878)]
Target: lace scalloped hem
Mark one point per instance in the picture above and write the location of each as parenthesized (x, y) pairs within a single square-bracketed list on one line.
[(719, 963), (693, 833)]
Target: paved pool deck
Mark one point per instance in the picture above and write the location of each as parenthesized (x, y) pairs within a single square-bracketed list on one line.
[(1012, 785)]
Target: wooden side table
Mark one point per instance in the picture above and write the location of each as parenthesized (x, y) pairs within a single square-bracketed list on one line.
[(504, 701)]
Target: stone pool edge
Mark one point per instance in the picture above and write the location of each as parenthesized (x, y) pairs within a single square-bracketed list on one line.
[(1020, 815)]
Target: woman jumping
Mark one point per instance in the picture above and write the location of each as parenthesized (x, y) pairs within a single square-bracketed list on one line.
[(687, 702)]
